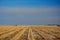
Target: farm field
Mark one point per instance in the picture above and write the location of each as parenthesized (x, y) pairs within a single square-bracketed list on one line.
[(29, 32)]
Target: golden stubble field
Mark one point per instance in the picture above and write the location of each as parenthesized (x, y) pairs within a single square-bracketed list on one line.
[(29, 32)]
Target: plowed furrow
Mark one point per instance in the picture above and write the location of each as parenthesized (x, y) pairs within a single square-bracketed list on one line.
[(16, 37)]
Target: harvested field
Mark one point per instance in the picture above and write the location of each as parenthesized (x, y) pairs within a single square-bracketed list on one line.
[(29, 32)]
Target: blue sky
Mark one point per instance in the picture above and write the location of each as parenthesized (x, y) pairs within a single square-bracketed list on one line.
[(29, 12), (29, 2)]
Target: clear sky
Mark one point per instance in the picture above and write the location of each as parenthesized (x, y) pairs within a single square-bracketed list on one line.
[(29, 12)]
